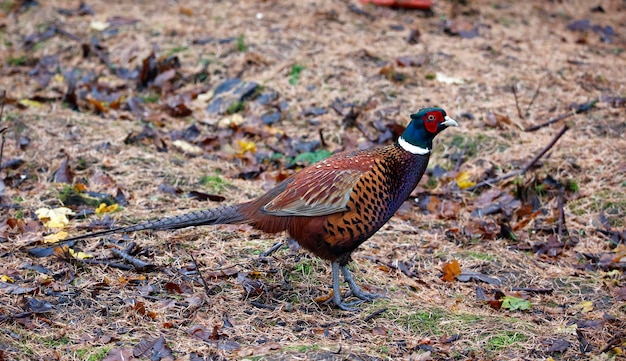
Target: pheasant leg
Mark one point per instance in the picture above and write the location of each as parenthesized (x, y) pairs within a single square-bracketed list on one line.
[(356, 291), (337, 291)]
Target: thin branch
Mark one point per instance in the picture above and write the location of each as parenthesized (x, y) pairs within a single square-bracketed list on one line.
[(262, 305), (459, 161), (273, 249), (523, 170), (138, 264), (207, 290), (534, 96), (375, 314), (561, 221), (3, 130), (581, 108), (545, 150), (519, 111)]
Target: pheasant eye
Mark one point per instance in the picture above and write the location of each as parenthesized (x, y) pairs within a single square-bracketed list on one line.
[(431, 118)]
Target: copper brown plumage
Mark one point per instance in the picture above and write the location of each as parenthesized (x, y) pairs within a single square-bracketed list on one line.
[(333, 206)]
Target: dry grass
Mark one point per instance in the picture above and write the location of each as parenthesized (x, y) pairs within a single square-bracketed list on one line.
[(522, 44)]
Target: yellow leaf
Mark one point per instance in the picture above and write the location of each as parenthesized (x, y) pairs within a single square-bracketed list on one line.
[(7, 279), (568, 330), (246, 146), (103, 208), (99, 25), (52, 238), (79, 255), (585, 306), (463, 180), (30, 103), (59, 78), (54, 218), (445, 79), (187, 147)]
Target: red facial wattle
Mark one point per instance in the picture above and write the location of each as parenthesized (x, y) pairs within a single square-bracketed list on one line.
[(431, 121)]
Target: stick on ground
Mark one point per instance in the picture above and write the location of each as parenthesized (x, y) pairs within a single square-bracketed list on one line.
[(526, 168)]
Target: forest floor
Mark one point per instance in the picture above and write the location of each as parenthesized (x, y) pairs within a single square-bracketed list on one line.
[(155, 108)]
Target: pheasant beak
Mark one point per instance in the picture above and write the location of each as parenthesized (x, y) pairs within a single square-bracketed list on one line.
[(449, 122)]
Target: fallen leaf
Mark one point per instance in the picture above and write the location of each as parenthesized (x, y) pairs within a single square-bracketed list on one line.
[(445, 79), (451, 270), (55, 237), (187, 147), (246, 146), (585, 306), (7, 279), (30, 103), (156, 349), (559, 346), (379, 331), (119, 354), (79, 255), (38, 306), (567, 329), (14, 289), (262, 349), (515, 303), (466, 276), (103, 208), (54, 218), (98, 25), (463, 180)]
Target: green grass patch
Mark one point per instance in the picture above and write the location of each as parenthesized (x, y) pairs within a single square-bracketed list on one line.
[(479, 255), (477, 144), (151, 98), (312, 157), (294, 76), (17, 61), (235, 107), (215, 183), (425, 321), (506, 339), (56, 342), (176, 50), (241, 43), (612, 204), (302, 348)]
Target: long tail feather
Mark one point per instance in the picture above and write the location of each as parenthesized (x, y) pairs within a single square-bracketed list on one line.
[(221, 215)]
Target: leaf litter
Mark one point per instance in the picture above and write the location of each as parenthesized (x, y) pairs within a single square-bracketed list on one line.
[(118, 105)]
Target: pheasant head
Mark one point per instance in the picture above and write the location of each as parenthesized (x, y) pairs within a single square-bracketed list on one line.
[(418, 136)]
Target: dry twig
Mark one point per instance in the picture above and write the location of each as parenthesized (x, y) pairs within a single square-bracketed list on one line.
[(519, 110), (526, 168), (532, 100), (581, 108)]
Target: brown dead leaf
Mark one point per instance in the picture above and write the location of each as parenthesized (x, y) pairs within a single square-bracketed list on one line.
[(262, 349), (200, 331), (156, 349), (64, 173), (223, 272), (499, 121), (450, 270), (120, 354), (185, 10), (379, 331)]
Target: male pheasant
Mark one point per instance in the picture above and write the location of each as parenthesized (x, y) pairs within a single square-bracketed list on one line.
[(334, 205)]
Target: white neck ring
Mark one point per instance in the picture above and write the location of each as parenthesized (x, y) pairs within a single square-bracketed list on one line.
[(413, 149)]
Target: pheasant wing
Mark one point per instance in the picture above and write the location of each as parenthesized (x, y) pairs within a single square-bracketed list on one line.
[(320, 190)]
